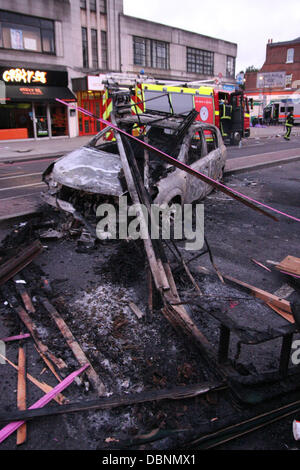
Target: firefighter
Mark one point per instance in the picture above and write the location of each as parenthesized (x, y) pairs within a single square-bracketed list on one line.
[(225, 117), (288, 125)]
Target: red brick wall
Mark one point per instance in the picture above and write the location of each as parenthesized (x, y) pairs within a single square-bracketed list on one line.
[(250, 83), (276, 56)]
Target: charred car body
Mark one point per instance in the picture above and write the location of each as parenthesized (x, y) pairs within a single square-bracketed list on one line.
[(92, 174)]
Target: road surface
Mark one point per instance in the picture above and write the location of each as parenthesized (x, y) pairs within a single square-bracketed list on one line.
[(21, 184)]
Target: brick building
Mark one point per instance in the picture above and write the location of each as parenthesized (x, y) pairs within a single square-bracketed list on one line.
[(279, 78)]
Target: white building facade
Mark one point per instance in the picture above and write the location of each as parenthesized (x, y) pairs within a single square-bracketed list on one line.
[(49, 48)]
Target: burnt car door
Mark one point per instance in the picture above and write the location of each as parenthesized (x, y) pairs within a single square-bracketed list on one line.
[(207, 154)]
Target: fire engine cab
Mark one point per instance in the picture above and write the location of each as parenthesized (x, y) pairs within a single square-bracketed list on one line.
[(207, 100)]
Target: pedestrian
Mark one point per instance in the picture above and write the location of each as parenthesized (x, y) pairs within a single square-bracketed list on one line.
[(288, 125)]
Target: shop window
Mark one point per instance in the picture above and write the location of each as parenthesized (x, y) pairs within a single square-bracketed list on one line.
[(59, 120), (41, 120), (17, 116), (288, 81), (200, 61), (26, 33)]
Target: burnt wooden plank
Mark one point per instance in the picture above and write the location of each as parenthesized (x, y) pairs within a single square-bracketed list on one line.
[(176, 393)]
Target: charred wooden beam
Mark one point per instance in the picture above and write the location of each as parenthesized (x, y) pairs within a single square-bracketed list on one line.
[(31, 327), (21, 393), (176, 393), (75, 347), (261, 294), (60, 399), (13, 426), (135, 199), (163, 278), (14, 265), (24, 294)]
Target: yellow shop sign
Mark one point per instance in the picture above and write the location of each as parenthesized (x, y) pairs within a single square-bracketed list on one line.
[(24, 76)]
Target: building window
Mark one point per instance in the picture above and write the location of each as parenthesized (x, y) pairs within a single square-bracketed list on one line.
[(288, 81), (103, 6), (150, 53), (85, 51), (26, 33), (94, 38), (139, 51), (230, 67), (200, 61), (104, 61), (159, 55), (290, 56), (93, 5), (83, 4)]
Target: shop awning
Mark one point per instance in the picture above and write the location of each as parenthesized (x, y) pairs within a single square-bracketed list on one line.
[(37, 93)]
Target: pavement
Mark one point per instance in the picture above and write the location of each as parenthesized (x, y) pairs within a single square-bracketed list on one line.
[(258, 132), (37, 149), (261, 160)]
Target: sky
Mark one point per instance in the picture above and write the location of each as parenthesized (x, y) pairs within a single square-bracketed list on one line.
[(248, 23)]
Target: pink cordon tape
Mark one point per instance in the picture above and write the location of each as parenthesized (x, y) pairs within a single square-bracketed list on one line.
[(11, 427), (15, 338), (290, 274), (250, 202)]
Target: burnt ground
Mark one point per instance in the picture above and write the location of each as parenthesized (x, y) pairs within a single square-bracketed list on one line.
[(91, 289)]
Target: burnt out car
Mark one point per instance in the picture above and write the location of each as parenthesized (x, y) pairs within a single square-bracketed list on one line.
[(92, 174)]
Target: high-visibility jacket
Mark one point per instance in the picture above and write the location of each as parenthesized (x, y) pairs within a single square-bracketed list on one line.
[(289, 120), (225, 111)]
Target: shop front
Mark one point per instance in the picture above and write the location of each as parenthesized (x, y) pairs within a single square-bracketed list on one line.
[(28, 106), (90, 96)]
